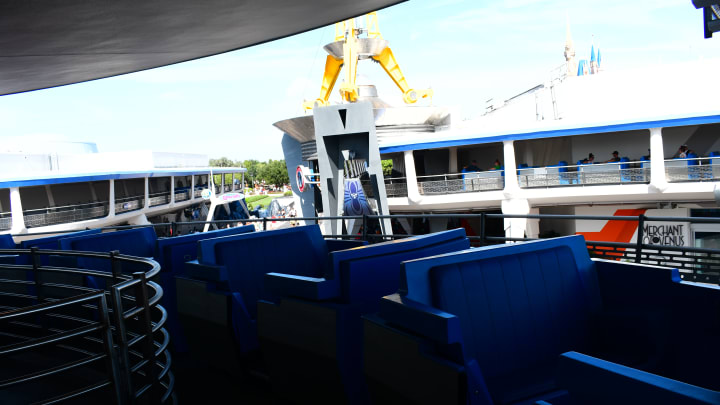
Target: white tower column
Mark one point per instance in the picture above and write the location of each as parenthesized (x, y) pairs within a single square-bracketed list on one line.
[(147, 192), (16, 210), (517, 227), (658, 181), (452, 159), (111, 199), (411, 177), (511, 180)]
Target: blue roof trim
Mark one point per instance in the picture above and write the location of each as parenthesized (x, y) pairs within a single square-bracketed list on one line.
[(675, 122), (111, 176)]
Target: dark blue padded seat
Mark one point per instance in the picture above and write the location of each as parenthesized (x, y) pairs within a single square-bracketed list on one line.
[(171, 254), (353, 284), (135, 242), (236, 266), (7, 242), (498, 318), (51, 242)]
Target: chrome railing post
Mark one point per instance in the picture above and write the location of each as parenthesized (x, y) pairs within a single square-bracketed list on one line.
[(37, 277), (142, 299), (112, 360), (640, 235), (123, 360)]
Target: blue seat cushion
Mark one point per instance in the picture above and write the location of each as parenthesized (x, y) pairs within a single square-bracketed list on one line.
[(517, 312)]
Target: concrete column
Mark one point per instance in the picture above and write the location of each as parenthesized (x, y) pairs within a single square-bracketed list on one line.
[(411, 177), (658, 181), (16, 210), (452, 159), (111, 199), (147, 192), (172, 190), (192, 187), (516, 227), (511, 180)]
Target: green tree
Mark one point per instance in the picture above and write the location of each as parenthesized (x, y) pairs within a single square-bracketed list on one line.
[(274, 172), (387, 166), (223, 162)]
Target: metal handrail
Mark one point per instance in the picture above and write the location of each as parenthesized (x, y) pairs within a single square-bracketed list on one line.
[(113, 324)]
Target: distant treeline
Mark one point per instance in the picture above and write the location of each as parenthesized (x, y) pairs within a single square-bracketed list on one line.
[(272, 171)]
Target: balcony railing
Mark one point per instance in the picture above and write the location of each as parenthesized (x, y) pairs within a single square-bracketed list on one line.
[(589, 174), (129, 204), (461, 182), (396, 187), (5, 221), (182, 195), (65, 214), (694, 169), (160, 198)]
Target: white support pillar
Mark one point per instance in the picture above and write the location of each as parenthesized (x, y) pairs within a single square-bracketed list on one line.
[(658, 181), (511, 180), (111, 199), (411, 177), (18, 220), (192, 187), (516, 227), (147, 193), (172, 190), (452, 159)]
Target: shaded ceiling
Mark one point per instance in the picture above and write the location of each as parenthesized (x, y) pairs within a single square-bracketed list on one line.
[(47, 43)]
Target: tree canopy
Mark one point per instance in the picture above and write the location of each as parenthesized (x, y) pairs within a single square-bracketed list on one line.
[(272, 171)]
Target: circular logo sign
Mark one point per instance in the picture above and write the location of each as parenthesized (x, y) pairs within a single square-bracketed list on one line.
[(206, 194), (300, 178)]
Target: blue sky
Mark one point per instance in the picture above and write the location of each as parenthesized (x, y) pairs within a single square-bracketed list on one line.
[(467, 50)]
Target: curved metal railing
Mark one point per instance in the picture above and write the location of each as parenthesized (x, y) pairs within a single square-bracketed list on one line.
[(73, 333)]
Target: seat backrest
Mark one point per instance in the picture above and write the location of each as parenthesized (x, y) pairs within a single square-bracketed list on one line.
[(368, 273), (248, 257), (7, 242), (519, 306), (135, 242), (172, 253), (49, 243)]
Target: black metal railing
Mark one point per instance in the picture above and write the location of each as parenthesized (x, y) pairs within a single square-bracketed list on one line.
[(61, 340), (694, 264)]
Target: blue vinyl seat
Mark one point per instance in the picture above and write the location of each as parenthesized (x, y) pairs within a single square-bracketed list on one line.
[(235, 266), (171, 254), (313, 331), (50, 242), (491, 324), (135, 242), (7, 242)]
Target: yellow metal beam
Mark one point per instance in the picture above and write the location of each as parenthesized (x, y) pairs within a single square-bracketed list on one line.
[(346, 32), (387, 60), (330, 76)]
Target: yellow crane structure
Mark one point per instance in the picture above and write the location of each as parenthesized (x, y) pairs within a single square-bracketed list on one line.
[(349, 48)]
